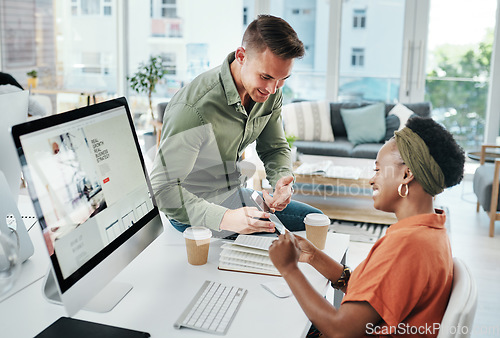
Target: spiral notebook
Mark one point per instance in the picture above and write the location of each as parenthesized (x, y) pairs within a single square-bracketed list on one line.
[(248, 253)]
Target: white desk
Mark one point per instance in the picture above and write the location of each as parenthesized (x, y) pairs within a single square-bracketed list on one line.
[(164, 283), (37, 265), (87, 93)]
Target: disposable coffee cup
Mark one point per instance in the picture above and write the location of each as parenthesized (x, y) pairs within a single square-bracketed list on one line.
[(316, 229), (197, 244)]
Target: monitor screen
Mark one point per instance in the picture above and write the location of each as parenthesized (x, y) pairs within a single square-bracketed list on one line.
[(88, 183)]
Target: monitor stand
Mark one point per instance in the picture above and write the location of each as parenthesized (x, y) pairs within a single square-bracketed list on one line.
[(104, 301), (15, 223)]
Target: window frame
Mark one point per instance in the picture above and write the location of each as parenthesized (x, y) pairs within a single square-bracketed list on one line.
[(359, 19)]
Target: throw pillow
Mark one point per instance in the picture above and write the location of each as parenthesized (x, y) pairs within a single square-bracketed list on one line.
[(391, 125), (308, 120), (402, 112), (365, 124)]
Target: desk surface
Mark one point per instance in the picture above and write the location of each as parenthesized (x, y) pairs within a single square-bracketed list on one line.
[(164, 283)]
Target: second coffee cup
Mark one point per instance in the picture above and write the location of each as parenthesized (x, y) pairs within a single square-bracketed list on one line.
[(317, 228)]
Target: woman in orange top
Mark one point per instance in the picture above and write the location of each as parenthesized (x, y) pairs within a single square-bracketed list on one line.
[(403, 286)]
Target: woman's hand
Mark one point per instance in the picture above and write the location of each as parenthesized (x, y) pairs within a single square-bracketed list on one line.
[(288, 246), (285, 253), (307, 249)]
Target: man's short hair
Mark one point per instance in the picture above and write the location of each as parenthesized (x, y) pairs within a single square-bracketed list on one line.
[(271, 32)]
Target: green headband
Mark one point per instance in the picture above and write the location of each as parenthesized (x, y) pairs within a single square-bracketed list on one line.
[(417, 157)]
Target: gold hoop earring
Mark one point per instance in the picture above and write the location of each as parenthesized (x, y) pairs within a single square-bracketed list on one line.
[(406, 190)]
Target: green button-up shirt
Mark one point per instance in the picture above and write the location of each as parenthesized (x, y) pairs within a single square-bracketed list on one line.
[(205, 130)]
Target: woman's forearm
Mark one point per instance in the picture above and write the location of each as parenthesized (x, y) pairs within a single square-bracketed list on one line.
[(316, 307), (327, 266)]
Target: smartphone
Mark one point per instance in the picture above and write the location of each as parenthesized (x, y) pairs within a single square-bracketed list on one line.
[(262, 205)]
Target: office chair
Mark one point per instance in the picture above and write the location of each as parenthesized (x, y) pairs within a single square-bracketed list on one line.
[(158, 122), (461, 308), (44, 102), (486, 186)]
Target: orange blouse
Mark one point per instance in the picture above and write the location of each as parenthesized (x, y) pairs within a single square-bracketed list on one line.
[(406, 277)]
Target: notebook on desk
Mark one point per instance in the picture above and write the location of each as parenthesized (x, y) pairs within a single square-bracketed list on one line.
[(248, 253)]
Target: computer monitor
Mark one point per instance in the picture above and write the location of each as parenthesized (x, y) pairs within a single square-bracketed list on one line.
[(14, 110), (92, 196)]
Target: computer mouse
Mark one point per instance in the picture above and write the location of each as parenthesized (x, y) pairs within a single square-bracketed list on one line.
[(279, 289)]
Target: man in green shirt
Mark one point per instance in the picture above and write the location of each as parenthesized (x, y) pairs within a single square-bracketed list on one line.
[(207, 126)]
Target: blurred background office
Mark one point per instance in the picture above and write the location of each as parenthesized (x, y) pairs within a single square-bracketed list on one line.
[(369, 50)]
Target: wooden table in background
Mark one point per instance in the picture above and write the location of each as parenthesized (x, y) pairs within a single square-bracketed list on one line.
[(490, 156), (347, 199)]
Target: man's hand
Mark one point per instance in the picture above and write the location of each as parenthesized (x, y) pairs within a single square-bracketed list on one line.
[(246, 220), (282, 194)]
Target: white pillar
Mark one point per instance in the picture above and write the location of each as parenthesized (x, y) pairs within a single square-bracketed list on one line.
[(416, 31), (122, 47), (332, 67), (492, 122)]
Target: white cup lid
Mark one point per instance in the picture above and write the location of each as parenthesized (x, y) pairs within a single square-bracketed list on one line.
[(317, 219), (197, 233)]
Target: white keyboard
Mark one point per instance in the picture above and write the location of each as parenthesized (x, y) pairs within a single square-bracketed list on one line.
[(212, 308)]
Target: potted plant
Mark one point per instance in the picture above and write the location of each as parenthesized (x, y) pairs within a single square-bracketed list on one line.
[(32, 78), (147, 77), (291, 139)]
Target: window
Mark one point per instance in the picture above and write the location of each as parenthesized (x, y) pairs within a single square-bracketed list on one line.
[(18, 41), (458, 68), (379, 77), (90, 7), (310, 19), (245, 16), (91, 62), (106, 9), (169, 60), (74, 7), (358, 57), (359, 19), (168, 9)]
